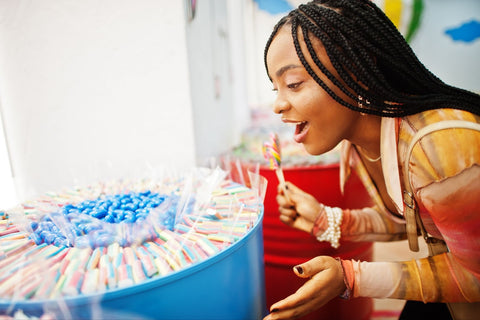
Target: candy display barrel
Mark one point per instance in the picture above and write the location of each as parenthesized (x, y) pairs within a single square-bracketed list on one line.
[(201, 291), (285, 247)]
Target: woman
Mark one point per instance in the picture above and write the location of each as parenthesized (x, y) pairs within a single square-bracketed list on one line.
[(343, 73)]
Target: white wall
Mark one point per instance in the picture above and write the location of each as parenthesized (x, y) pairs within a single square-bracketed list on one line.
[(259, 25), (455, 62), (215, 39), (7, 190), (93, 89)]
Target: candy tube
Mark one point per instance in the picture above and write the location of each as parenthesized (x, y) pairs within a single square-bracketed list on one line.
[(147, 261), (48, 283), (112, 275), (90, 281), (29, 289), (162, 266), (57, 289), (137, 272), (102, 277), (125, 276), (73, 283)]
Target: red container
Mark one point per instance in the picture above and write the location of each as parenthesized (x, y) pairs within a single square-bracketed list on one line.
[(285, 247)]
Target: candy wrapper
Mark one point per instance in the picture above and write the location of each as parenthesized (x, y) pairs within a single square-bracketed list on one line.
[(117, 234)]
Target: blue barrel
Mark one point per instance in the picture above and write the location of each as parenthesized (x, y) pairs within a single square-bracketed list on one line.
[(229, 285)]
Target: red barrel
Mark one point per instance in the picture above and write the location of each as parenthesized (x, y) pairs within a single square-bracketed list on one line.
[(285, 247)]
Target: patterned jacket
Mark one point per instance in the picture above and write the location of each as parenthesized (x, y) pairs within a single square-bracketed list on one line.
[(445, 175)]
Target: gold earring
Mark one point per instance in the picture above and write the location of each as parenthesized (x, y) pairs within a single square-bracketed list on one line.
[(360, 104)]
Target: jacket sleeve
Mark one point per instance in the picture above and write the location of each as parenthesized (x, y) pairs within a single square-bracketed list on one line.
[(367, 224), (434, 279)]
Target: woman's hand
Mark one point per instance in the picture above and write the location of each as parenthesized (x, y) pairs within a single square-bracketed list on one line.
[(302, 209), (326, 282)]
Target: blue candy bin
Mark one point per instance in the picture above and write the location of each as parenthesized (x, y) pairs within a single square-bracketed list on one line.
[(227, 286)]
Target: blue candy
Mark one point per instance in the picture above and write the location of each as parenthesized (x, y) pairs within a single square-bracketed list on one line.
[(88, 221)]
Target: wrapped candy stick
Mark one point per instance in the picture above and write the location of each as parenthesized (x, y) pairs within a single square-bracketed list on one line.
[(271, 152)]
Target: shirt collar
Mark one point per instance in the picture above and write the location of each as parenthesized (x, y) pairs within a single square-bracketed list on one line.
[(388, 150), (390, 167)]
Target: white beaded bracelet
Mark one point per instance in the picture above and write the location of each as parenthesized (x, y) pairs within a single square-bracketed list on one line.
[(333, 233)]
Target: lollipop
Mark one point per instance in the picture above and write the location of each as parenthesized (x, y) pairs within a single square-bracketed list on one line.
[(271, 152)]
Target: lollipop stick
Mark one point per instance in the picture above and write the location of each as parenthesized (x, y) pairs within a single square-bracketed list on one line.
[(281, 180)]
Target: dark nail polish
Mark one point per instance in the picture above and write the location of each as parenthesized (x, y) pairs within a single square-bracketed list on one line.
[(274, 310), (286, 186), (299, 269)]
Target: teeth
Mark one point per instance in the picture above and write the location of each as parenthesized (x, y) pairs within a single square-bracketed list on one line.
[(295, 123), (292, 124)]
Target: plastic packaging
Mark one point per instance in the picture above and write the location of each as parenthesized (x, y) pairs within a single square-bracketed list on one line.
[(88, 251)]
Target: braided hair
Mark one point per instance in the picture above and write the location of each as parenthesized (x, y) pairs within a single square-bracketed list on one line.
[(364, 46)]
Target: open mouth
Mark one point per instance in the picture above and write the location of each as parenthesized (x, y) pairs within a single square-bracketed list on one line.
[(300, 127), (301, 130)]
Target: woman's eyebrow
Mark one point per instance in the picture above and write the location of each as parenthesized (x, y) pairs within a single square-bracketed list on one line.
[(283, 69)]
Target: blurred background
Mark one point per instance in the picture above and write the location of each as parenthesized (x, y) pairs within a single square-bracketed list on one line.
[(91, 90), (96, 88)]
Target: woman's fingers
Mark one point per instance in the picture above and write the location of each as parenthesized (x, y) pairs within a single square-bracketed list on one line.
[(282, 201), (326, 282), (318, 264), (292, 218), (287, 216), (292, 188), (294, 193), (299, 223)]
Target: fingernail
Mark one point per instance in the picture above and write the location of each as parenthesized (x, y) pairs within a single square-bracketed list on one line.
[(286, 186), (299, 269), (274, 310)]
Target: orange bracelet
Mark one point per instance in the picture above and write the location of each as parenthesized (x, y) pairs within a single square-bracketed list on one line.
[(348, 278), (318, 220)]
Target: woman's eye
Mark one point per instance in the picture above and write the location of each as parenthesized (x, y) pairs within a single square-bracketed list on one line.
[(294, 85)]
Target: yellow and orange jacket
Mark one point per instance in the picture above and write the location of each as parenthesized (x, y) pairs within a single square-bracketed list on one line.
[(444, 171)]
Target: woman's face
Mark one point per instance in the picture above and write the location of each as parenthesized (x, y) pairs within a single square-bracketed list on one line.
[(321, 122)]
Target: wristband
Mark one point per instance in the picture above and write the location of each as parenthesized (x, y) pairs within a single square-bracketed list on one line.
[(348, 278)]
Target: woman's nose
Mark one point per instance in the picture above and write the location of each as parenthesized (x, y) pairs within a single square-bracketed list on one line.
[(280, 104)]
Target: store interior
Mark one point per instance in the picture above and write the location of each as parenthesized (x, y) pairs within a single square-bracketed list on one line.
[(99, 91)]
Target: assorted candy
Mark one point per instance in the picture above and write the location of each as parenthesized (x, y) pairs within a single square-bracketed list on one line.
[(98, 222), (111, 236)]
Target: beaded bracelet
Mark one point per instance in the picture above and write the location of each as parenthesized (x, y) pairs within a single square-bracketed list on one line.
[(333, 233)]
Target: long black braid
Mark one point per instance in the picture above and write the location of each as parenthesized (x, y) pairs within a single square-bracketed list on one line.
[(365, 46)]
